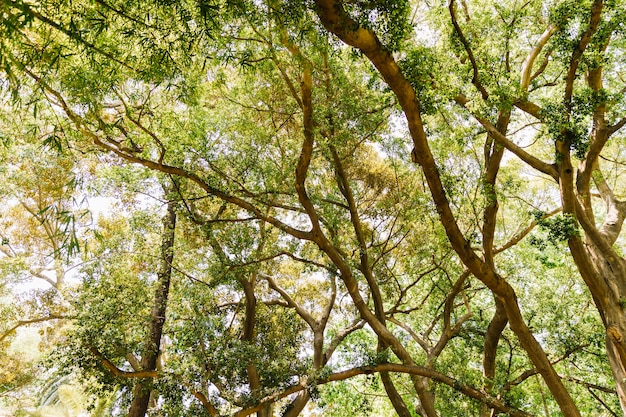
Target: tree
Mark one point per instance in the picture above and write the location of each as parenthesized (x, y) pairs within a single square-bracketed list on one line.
[(230, 97), (42, 225)]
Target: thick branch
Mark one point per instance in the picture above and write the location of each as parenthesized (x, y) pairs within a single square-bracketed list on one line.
[(527, 66), (615, 209), (335, 19)]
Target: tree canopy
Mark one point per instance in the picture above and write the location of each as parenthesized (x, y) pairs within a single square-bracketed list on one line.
[(319, 207)]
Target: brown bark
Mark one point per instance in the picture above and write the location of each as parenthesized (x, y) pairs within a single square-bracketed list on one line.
[(249, 336), (297, 405), (143, 387), (429, 373), (613, 276), (336, 20), (492, 337), (493, 157), (379, 310)]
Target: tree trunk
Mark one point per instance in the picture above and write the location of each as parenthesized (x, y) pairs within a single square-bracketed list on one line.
[(295, 408), (494, 331), (248, 335), (609, 302), (143, 388)]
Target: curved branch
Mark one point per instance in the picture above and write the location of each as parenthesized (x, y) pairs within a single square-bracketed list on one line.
[(306, 316), (28, 322), (168, 169), (530, 108), (522, 234), (615, 209), (528, 63), (354, 326), (617, 126), (596, 11), (468, 49), (531, 160), (465, 389), (335, 19), (304, 160)]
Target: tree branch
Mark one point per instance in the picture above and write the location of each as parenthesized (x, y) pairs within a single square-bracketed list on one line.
[(531, 160), (468, 50), (465, 389), (528, 63), (28, 322), (523, 233), (118, 372)]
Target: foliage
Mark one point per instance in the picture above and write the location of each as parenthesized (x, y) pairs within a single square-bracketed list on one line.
[(354, 185)]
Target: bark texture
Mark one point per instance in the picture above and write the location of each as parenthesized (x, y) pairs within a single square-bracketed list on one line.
[(149, 358)]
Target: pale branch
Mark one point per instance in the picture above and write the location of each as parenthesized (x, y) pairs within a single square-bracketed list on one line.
[(133, 361), (595, 236), (615, 209), (465, 389), (528, 63), (543, 66), (210, 408), (530, 108), (523, 233), (276, 302)]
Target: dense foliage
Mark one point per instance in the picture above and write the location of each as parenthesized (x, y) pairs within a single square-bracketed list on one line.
[(232, 207)]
